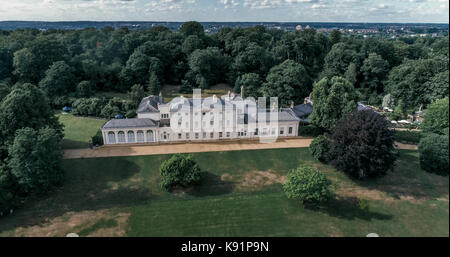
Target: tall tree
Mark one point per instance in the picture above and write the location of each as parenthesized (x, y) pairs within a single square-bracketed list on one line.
[(338, 60), (436, 117), (59, 80), (412, 81), (252, 85), (333, 99), (31, 62), (374, 70), (25, 106), (192, 28), (362, 145), (34, 159), (288, 81), (136, 94)]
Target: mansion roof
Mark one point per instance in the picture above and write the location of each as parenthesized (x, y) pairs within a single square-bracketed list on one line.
[(130, 123)]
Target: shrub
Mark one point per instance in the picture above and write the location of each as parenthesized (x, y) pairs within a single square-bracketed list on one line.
[(433, 154), (364, 204), (179, 171), (88, 106), (98, 138), (408, 136), (309, 131), (362, 145), (307, 185), (319, 148), (436, 117), (59, 102)]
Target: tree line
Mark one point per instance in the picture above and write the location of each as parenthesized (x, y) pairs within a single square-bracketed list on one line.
[(266, 62)]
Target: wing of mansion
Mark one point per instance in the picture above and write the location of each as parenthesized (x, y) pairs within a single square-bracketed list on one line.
[(156, 120)]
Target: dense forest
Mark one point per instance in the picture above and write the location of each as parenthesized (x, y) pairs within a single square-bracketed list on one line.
[(71, 66)]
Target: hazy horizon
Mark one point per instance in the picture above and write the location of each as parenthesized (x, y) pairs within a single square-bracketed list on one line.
[(286, 11)]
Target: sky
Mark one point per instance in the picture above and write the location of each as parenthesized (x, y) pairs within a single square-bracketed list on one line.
[(429, 11)]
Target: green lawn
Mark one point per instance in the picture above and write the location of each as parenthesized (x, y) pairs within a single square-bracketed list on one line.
[(78, 131), (240, 195)]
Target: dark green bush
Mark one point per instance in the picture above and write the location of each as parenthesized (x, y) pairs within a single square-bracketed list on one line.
[(319, 148), (179, 171), (408, 136), (88, 106), (433, 153), (309, 131), (98, 138)]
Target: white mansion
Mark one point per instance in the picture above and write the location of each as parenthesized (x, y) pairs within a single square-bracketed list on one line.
[(197, 119)]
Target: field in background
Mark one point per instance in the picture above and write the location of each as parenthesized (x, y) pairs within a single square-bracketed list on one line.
[(78, 131), (240, 195), (171, 91)]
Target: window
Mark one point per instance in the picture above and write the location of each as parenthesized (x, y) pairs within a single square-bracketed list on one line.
[(187, 135), (121, 136), (164, 116), (291, 130), (256, 132), (220, 134), (140, 136), (273, 131), (281, 131), (179, 136), (211, 135), (131, 138), (111, 137), (204, 134), (228, 134), (196, 135), (149, 136)]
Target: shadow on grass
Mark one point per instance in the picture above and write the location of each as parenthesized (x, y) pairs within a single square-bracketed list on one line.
[(408, 180), (87, 187), (211, 184), (72, 144), (348, 208)]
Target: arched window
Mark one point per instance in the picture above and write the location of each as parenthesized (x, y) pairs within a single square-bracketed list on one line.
[(121, 136), (111, 137), (131, 138), (140, 136), (150, 136)]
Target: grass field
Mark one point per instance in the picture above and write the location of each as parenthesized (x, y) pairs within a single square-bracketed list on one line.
[(78, 131), (240, 195)]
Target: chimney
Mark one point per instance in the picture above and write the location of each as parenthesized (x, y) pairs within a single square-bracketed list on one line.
[(292, 104), (160, 97), (274, 105), (242, 91), (214, 99), (229, 93)]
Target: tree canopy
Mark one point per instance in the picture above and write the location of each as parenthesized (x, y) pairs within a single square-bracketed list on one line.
[(333, 99)]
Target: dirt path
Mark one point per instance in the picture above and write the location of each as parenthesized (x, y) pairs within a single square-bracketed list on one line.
[(406, 146), (135, 150)]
